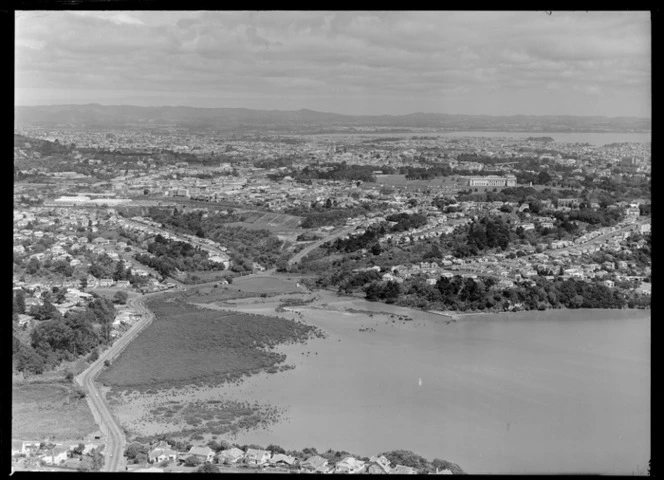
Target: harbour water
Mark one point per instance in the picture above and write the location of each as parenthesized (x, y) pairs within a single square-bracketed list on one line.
[(593, 138), (564, 391)]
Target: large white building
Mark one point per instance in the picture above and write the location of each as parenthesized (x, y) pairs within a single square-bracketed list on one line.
[(492, 181), (66, 200)]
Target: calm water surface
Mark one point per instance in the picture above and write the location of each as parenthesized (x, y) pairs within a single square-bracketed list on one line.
[(563, 137), (541, 392)]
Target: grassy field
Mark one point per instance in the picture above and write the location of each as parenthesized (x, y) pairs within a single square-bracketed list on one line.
[(202, 276), (265, 285), (49, 410), (400, 181), (186, 344), (242, 287), (213, 295), (273, 220), (110, 292)]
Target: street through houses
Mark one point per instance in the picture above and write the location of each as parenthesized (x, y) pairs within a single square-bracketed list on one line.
[(113, 433)]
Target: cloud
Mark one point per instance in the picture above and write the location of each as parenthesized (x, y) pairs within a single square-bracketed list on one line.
[(406, 56), (31, 44), (116, 18)]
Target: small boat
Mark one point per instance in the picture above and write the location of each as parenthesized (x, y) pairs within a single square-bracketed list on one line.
[(420, 382)]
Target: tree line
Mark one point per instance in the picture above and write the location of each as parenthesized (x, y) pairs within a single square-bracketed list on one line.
[(59, 338)]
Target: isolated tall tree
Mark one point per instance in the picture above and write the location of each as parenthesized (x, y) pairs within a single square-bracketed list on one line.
[(120, 297)]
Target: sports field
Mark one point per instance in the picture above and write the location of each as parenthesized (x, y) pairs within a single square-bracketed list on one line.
[(265, 285), (243, 287), (400, 182)]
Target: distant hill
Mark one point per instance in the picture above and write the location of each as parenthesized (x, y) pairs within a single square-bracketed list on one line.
[(122, 116)]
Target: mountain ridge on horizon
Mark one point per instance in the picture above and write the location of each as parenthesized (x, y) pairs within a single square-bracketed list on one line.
[(309, 110), (95, 115)]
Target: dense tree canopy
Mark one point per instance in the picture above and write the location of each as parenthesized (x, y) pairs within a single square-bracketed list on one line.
[(61, 338)]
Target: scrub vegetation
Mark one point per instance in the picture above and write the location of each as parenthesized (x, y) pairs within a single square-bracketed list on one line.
[(188, 344)]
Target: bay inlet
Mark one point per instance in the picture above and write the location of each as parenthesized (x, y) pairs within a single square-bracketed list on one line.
[(563, 391)]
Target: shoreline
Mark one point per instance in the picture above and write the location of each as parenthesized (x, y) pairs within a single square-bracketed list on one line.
[(456, 315), (346, 314)]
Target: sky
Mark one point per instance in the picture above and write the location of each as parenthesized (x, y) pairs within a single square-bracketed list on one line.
[(349, 62)]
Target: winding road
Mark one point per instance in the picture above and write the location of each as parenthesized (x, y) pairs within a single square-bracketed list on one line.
[(113, 433), (300, 255), (114, 436)]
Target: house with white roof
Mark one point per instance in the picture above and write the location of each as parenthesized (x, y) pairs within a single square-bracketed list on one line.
[(349, 465)]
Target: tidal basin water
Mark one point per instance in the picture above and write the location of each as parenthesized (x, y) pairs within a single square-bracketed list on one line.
[(534, 392)]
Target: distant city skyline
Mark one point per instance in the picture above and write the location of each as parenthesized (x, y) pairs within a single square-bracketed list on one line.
[(353, 63)]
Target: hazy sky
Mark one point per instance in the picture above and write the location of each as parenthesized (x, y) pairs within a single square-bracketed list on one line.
[(496, 63)]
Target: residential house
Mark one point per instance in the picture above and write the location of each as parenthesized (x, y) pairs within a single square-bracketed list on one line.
[(123, 284), (89, 447), (106, 282), (30, 447), (315, 463), (349, 465), (256, 457), (378, 465), (24, 320), (403, 470), (158, 455), (204, 454), (281, 460), (55, 455), (230, 456)]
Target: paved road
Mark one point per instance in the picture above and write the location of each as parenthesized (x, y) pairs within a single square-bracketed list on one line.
[(300, 255), (180, 237), (115, 438), (599, 239)]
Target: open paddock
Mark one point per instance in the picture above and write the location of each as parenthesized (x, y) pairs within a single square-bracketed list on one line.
[(275, 222), (52, 410)]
